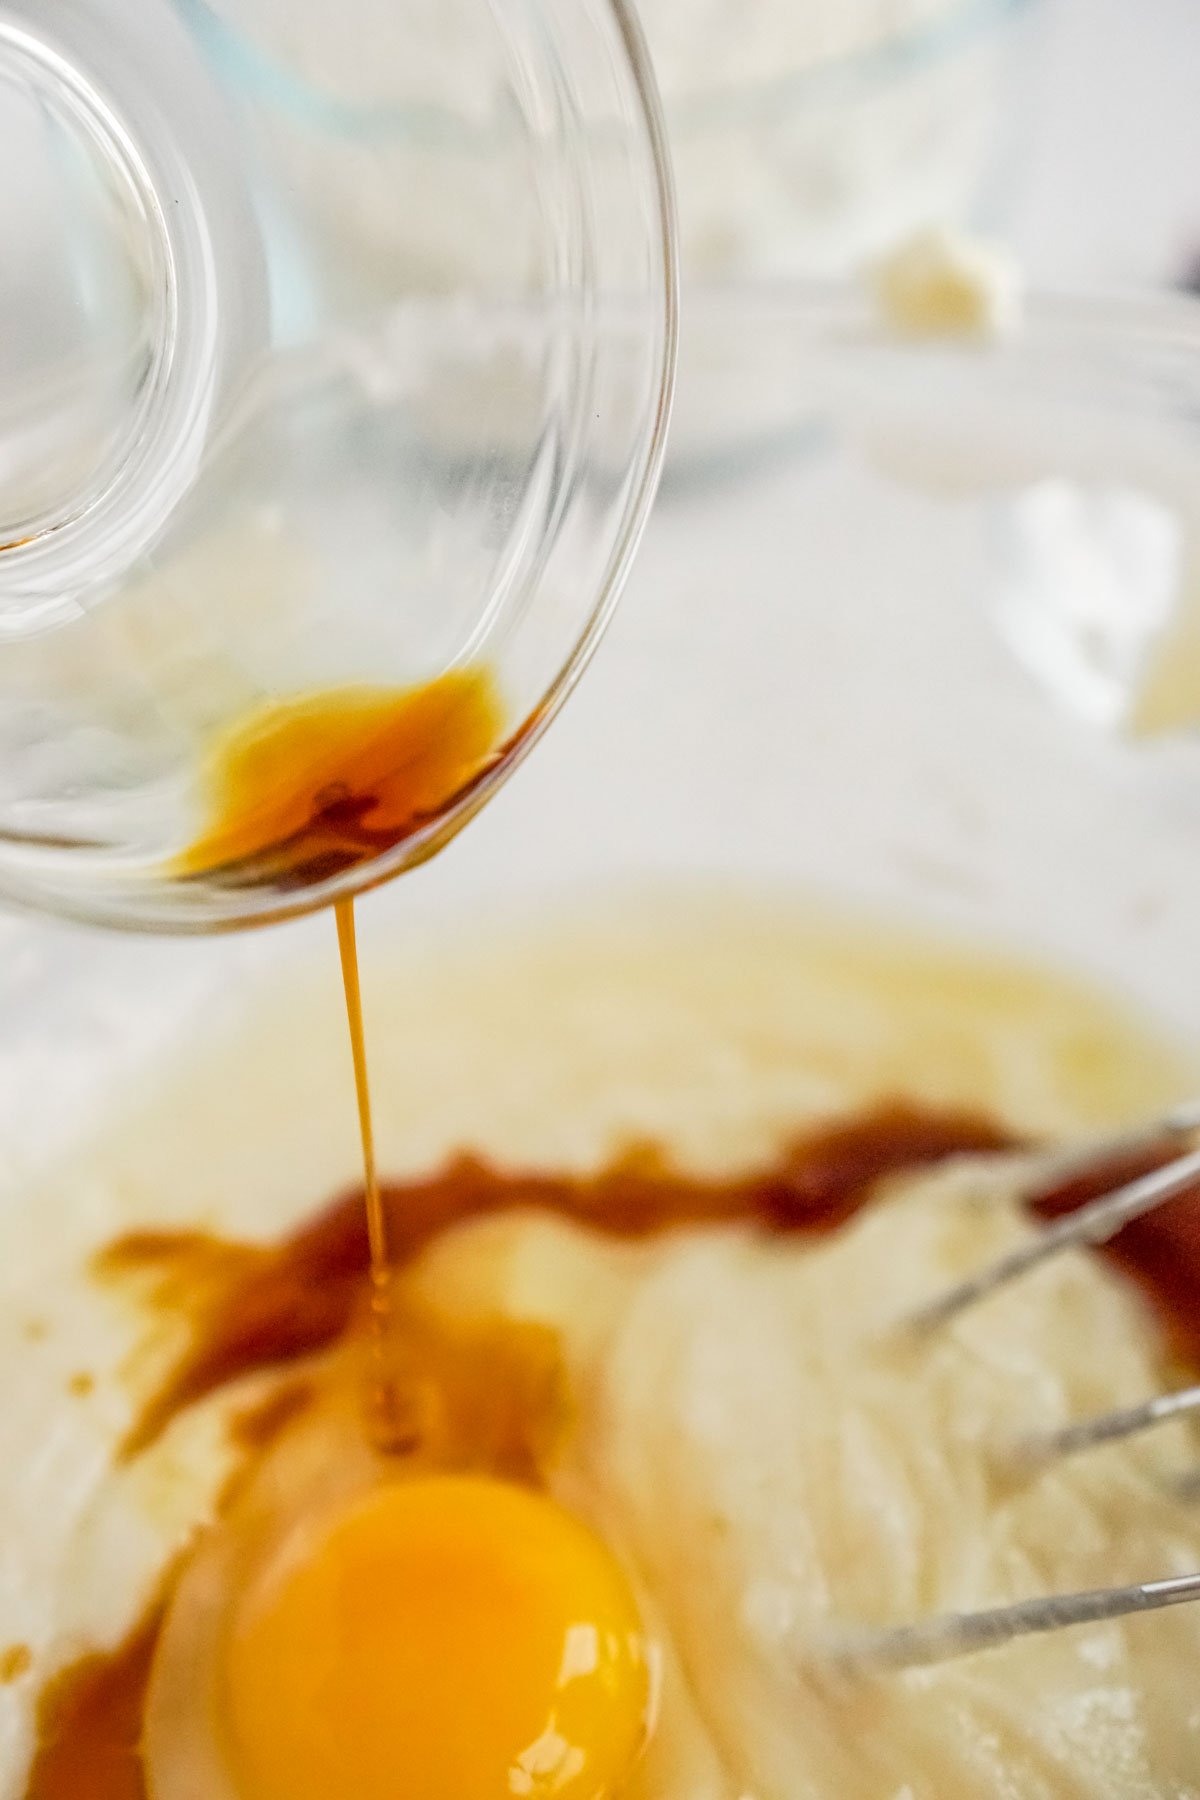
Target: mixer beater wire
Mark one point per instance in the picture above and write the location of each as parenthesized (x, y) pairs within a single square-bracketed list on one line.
[(949, 1635)]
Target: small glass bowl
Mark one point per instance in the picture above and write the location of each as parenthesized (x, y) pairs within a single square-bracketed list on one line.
[(410, 299)]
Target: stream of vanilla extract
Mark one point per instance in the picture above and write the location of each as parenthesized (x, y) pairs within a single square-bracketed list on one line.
[(320, 783), (389, 1427)]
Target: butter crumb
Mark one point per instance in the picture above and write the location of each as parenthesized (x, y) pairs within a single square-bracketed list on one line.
[(938, 284)]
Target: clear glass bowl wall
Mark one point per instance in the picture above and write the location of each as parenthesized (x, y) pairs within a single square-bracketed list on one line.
[(823, 677), (370, 349)]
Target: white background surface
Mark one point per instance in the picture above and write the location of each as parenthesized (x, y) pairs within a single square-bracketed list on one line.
[(1110, 188)]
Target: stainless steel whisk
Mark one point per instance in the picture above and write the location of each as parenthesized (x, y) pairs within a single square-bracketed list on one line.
[(948, 1635)]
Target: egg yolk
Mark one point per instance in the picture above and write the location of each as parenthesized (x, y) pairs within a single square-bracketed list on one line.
[(445, 1638)]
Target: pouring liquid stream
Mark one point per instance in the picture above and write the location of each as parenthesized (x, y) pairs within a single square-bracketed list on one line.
[(318, 784), (389, 1431)]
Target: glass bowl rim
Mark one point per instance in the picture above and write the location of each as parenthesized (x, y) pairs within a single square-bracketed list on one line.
[(847, 75), (843, 76)]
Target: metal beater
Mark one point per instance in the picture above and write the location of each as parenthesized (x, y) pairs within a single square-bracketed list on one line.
[(945, 1636)]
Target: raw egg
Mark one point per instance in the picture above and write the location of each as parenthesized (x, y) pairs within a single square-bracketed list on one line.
[(455, 1637), (354, 1629)]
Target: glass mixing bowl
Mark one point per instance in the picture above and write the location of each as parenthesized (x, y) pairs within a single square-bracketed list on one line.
[(809, 135), (824, 676), (338, 352)]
